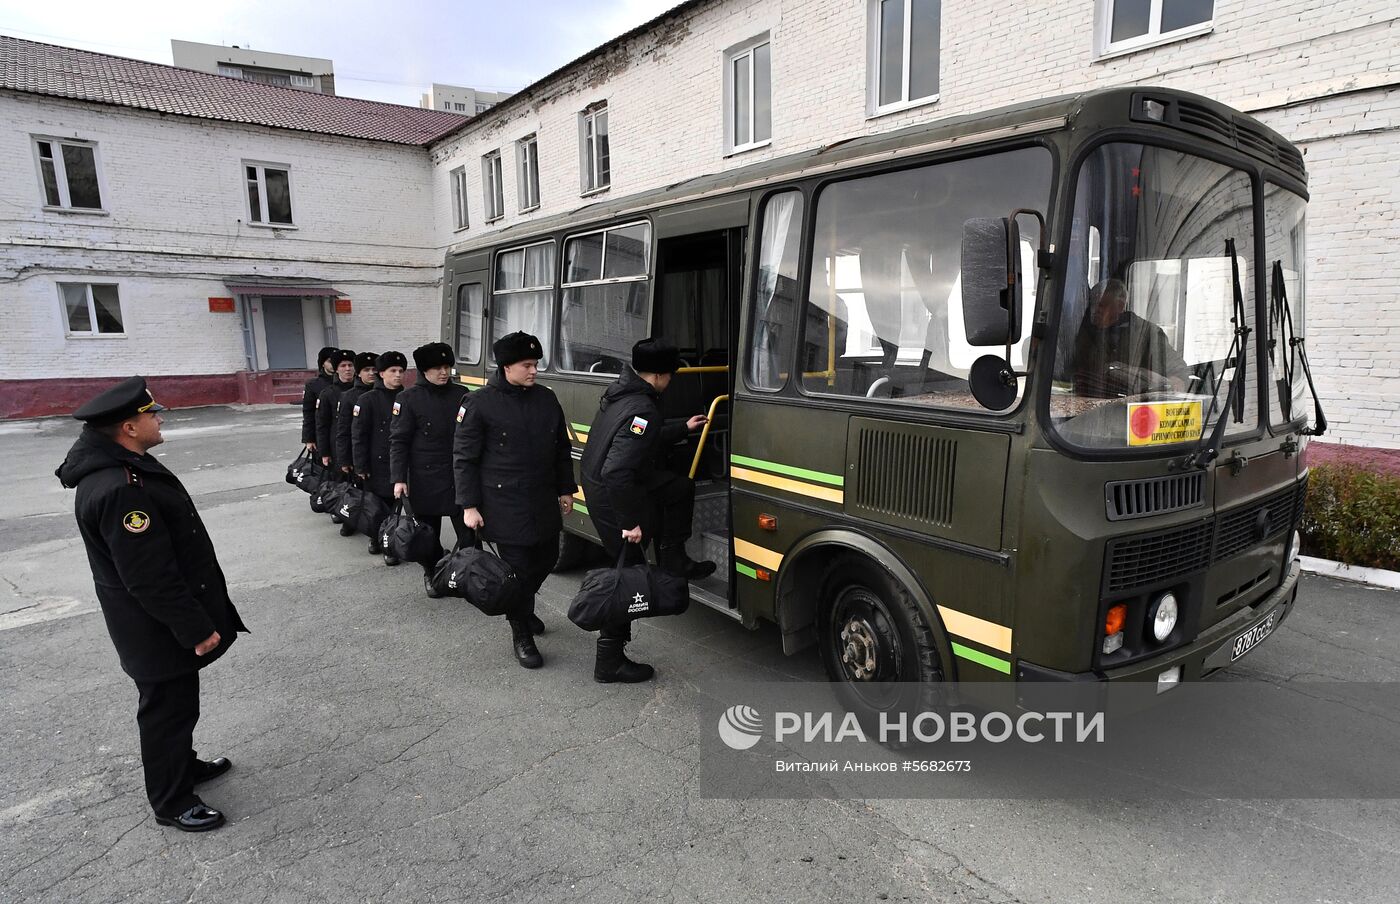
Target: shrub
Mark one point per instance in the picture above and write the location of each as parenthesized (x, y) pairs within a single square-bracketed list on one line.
[(1352, 515)]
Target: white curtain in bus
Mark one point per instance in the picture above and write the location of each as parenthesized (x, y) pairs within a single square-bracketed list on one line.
[(774, 307)]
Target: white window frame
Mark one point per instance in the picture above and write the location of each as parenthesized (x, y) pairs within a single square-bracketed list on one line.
[(493, 193), (60, 169), (1103, 33), (92, 310), (590, 178), (303, 81), (872, 66), (230, 71), (262, 167), (732, 56), (527, 164), (457, 185)]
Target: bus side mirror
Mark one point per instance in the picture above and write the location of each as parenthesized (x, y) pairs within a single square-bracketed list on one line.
[(991, 281)]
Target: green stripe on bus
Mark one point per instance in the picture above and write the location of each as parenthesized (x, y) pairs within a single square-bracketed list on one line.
[(977, 656), (580, 507), (835, 480), (579, 428), (745, 570)]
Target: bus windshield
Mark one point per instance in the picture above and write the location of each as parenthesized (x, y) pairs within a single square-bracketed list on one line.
[(1159, 279)]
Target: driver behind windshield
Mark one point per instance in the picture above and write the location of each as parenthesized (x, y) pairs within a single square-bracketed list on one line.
[(1117, 353)]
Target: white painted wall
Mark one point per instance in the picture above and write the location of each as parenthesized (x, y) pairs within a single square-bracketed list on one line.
[(1321, 73), (176, 226)]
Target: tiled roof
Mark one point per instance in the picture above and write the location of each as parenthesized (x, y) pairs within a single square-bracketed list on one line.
[(36, 68)]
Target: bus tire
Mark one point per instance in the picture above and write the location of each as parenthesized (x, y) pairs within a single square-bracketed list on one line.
[(876, 645), (574, 552)]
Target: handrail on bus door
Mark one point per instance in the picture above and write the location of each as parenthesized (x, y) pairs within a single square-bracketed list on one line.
[(704, 433)]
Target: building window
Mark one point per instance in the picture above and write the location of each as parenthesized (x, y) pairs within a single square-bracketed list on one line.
[(595, 160), (447, 105), (522, 297), (481, 107), (904, 53), (68, 174), (604, 309), (269, 194), (230, 71), (458, 178), (491, 189), (1132, 24), (527, 156), (460, 108), (303, 81), (748, 90), (91, 309)]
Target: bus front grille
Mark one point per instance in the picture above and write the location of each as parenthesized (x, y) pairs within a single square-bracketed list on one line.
[(1148, 558), (1254, 523), (1127, 499)]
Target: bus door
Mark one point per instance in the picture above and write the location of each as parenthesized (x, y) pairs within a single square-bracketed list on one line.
[(699, 268), (463, 323)]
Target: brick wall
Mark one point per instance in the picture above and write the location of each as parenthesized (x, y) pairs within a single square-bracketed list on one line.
[(1320, 73), (177, 228)]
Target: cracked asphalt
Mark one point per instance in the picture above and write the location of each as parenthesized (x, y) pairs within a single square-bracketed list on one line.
[(388, 748)]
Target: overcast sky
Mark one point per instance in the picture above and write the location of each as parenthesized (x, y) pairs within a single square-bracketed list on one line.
[(390, 51)]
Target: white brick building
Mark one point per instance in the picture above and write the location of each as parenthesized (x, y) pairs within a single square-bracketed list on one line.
[(1323, 74), (197, 271)]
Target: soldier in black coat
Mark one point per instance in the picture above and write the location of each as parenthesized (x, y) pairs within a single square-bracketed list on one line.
[(631, 497), (162, 591), (369, 434), (340, 424), (328, 405), (420, 444), (515, 476), (325, 375)]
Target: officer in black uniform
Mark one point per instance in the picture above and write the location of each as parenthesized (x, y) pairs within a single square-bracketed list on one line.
[(369, 434), (420, 444), (344, 456), (325, 375), (515, 476), (162, 592), (328, 404), (630, 495)]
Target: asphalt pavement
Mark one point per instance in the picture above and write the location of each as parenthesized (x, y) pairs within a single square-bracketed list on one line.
[(388, 748)]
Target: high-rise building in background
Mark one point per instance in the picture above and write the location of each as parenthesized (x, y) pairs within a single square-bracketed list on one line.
[(282, 69), (456, 99)]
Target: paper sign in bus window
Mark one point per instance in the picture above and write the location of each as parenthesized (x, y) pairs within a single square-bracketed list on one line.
[(1159, 423)]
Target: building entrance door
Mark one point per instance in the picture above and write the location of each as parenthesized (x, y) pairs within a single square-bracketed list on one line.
[(286, 339)]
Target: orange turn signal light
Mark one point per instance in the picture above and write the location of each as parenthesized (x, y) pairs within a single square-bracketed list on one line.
[(763, 574), (768, 522), (1113, 622)]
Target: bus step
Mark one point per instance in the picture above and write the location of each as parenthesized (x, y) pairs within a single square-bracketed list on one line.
[(707, 597)]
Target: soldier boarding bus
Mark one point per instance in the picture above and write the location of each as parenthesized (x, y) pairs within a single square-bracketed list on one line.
[(1013, 396)]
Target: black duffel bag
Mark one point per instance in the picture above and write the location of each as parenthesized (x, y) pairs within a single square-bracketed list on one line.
[(348, 504), (297, 470), (371, 514), (327, 496), (407, 539), (609, 597), (479, 577)]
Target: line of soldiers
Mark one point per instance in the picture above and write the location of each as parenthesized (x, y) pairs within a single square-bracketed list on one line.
[(497, 463)]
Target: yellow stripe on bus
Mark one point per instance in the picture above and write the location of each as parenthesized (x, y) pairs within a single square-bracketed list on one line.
[(578, 494), (988, 634), (830, 494), (757, 554)]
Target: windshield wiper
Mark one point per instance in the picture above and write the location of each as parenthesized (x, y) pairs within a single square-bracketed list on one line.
[(1209, 446), (1279, 309)]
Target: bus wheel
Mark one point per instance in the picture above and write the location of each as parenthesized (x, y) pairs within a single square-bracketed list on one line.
[(877, 647), (574, 551)]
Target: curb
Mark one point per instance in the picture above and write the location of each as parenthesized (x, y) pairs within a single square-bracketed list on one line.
[(1374, 577)]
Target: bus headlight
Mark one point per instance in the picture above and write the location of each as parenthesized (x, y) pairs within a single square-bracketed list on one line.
[(1163, 615)]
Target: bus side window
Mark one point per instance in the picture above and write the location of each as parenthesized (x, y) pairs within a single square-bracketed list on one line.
[(774, 322)]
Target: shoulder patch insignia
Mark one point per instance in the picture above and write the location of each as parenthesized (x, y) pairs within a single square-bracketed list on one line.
[(639, 425), (396, 408), (461, 413), (136, 522), (356, 412)]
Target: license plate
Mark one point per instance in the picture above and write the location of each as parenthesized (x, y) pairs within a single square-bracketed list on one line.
[(1251, 638)]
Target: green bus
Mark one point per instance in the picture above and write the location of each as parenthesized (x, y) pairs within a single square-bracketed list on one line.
[(1013, 396)]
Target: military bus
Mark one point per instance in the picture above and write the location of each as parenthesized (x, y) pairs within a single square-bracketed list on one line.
[(1013, 396)]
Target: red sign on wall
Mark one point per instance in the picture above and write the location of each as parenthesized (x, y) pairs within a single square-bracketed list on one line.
[(221, 305), (342, 306)]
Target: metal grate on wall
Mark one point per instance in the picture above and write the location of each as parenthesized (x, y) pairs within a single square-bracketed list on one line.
[(914, 479)]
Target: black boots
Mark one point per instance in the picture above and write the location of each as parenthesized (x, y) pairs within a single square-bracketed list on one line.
[(347, 529), (612, 664), (523, 642), (536, 626), (428, 587), (672, 558)]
